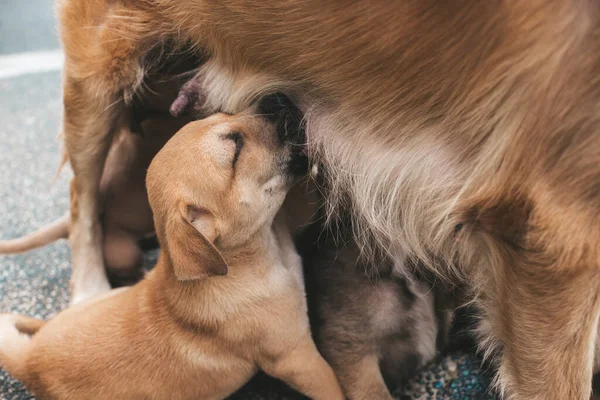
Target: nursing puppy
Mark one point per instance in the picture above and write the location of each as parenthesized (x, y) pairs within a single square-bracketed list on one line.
[(462, 131), (226, 297), (373, 325)]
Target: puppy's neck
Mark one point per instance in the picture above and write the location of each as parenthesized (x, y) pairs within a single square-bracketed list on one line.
[(268, 248), (254, 257), (254, 269)]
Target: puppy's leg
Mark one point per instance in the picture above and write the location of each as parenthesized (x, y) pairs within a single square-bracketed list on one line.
[(547, 321), (103, 53), (27, 325), (305, 370), (14, 343), (361, 379), (123, 257), (350, 349)]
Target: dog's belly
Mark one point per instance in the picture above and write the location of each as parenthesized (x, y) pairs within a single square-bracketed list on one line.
[(403, 188)]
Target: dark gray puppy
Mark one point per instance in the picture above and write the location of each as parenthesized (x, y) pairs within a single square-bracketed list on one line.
[(374, 327)]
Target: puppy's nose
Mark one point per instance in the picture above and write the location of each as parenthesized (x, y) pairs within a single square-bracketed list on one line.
[(273, 104), (282, 112)]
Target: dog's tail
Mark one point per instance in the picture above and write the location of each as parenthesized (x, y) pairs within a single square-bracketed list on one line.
[(15, 338), (58, 229)]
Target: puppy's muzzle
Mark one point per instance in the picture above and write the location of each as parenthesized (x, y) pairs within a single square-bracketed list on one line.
[(289, 125)]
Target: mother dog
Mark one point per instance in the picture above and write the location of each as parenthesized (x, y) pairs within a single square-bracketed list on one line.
[(463, 131)]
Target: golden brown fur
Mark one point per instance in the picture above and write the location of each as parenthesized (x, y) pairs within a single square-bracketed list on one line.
[(460, 130), (225, 299)]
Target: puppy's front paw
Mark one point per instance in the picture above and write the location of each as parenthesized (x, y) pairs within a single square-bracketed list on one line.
[(9, 332)]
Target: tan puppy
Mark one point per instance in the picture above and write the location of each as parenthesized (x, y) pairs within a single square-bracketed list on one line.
[(225, 299), (455, 130)]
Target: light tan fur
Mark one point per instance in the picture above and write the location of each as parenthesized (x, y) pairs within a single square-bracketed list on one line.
[(225, 299), (465, 131)]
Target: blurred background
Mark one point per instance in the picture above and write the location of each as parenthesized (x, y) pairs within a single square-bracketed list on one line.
[(27, 25), (28, 38)]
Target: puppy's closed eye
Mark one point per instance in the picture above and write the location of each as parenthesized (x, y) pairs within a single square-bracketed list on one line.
[(238, 139)]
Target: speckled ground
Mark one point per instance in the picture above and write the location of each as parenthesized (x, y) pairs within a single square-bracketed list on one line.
[(35, 283), (32, 283)]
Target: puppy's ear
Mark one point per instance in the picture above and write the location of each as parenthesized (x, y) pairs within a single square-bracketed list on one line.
[(189, 233)]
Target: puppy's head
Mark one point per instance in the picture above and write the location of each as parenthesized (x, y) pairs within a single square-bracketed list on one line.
[(222, 179)]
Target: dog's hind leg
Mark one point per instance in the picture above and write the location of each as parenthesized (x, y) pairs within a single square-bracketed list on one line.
[(541, 303), (104, 51), (539, 291), (548, 331)]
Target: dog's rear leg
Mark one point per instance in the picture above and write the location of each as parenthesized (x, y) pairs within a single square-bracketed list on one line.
[(15, 332), (548, 321)]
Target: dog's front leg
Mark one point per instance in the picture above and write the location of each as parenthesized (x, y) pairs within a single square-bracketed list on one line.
[(104, 48), (88, 135), (547, 321)]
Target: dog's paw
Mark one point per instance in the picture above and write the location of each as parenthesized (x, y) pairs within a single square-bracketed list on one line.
[(7, 319), (9, 331)]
